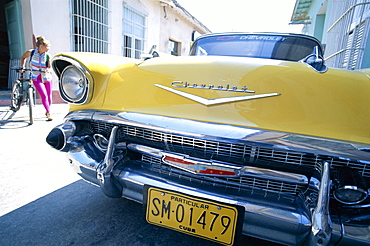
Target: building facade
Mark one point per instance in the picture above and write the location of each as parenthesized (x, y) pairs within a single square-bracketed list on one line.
[(118, 27), (343, 26)]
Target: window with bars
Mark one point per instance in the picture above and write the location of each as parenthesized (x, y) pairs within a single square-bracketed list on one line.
[(353, 52), (357, 46), (134, 28), (89, 25), (348, 34)]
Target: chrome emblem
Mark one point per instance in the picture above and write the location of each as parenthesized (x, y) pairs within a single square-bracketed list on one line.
[(209, 102), (200, 167)]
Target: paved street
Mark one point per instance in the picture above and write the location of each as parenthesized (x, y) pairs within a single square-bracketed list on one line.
[(30, 168), (43, 202)]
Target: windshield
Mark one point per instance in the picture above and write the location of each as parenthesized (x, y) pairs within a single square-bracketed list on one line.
[(291, 48)]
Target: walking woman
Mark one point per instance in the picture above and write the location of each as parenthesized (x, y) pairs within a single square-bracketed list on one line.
[(40, 59)]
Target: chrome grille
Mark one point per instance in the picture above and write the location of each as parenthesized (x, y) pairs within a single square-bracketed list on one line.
[(294, 159), (362, 167), (230, 150), (268, 185), (100, 126), (237, 153), (251, 184)]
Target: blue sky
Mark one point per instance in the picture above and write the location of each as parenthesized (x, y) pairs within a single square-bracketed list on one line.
[(243, 15)]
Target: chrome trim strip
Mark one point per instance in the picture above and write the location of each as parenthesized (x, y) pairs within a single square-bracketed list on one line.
[(236, 134), (357, 206)]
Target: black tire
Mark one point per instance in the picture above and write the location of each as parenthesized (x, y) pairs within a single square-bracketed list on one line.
[(31, 103), (16, 97)]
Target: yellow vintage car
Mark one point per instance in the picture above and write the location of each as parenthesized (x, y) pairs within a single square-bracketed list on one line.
[(250, 134)]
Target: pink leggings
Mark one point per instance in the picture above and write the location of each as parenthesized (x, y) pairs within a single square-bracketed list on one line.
[(44, 89)]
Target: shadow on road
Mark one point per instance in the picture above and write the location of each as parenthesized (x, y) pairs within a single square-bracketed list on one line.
[(6, 114), (79, 214)]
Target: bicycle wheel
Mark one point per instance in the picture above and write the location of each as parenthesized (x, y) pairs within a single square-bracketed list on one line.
[(16, 96), (31, 103)]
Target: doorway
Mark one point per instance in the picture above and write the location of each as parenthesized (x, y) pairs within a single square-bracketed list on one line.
[(4, 47), (12, 41)]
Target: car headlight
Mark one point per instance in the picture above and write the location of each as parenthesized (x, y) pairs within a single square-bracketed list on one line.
[(73, 85)]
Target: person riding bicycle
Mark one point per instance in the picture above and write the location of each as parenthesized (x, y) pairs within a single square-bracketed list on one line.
[(40, 59)]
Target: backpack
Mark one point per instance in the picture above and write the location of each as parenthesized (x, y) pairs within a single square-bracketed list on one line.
[(47, 57)]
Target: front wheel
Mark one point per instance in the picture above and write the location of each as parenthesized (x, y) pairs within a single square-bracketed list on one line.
[(16, 96), (31, 103)]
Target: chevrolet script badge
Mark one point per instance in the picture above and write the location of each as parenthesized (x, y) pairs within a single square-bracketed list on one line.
[(209, 102)]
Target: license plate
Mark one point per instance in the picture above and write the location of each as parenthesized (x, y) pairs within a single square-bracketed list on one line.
[(198, 217)]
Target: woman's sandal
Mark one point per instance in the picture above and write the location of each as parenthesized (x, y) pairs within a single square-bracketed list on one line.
[(48, 116)]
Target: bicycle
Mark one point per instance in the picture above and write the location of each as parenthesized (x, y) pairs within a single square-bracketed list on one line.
[(23, 91)]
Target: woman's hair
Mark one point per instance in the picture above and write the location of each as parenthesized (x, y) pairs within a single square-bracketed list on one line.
[(42, 41)]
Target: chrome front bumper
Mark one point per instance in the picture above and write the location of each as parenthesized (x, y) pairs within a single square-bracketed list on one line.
[(290, 223), (287, 223)]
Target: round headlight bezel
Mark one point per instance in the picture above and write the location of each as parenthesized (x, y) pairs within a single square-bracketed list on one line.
[(101, 142), (350, 187), (74, 85), (352, 191)]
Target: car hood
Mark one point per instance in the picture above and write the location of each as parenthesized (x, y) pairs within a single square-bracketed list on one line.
[(258, 93)]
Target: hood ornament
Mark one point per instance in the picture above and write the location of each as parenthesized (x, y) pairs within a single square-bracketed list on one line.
[(210, 102)]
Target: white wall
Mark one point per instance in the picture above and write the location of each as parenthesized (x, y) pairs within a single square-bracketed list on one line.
[(115, 32), (176, 27), (51, 19), (153, 24), (164, 22), (150, 8)]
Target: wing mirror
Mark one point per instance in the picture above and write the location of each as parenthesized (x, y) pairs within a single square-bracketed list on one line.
[(145, 57), (316, 61), (152, 54)]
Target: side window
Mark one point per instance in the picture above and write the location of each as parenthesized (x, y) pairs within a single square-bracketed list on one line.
[(89, 28), (173, 48), (134, 29)]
